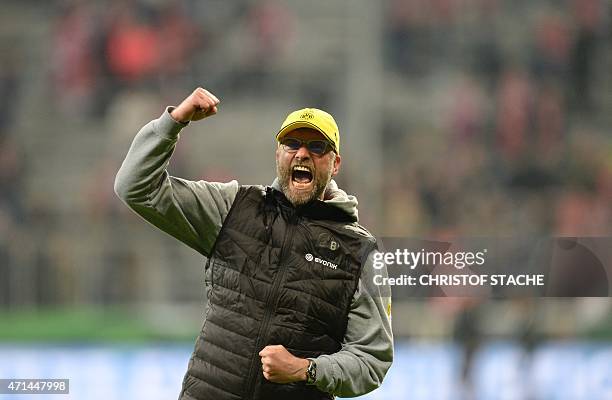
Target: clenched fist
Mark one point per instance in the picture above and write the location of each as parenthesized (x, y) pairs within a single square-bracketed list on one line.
[(198, 105), (280, 366)]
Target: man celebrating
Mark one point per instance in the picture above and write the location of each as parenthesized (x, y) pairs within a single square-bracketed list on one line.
[(291, 313)]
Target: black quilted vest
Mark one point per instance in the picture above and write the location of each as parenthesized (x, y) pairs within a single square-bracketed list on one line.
[(277, 275)]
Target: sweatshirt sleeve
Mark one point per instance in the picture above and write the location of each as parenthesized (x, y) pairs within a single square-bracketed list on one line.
[(367, 351), (191, 211)]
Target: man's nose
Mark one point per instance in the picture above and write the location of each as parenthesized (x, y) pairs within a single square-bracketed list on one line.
[(302, 152)]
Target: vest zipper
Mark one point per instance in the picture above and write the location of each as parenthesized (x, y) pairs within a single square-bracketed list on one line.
[(271, 301)]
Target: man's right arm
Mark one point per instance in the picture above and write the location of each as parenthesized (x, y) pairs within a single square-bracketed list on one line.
[(191, 211)]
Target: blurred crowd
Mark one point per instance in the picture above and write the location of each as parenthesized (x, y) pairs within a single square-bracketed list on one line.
[(496, 123), (520, 140), (100, 49)]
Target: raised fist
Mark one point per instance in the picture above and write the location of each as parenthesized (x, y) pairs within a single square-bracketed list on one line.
[(198, 105)]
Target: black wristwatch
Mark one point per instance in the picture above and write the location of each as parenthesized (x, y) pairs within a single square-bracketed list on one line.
[(311, 373)]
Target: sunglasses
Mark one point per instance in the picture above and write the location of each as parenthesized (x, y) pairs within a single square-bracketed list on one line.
[(315, 146)]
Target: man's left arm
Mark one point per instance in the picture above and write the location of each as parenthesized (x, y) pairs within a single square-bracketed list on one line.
[(367, 351)]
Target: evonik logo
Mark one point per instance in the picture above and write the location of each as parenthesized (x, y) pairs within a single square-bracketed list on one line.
[(310, 257)]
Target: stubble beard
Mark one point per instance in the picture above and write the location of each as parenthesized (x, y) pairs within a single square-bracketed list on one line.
[(299, 198)]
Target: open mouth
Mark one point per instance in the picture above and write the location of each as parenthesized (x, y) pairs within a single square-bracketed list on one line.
[(301, 176)]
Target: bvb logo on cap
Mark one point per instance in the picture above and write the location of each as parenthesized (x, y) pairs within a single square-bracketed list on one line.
[(307, 115)]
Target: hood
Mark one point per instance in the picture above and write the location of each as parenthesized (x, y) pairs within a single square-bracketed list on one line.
[(334, 196)]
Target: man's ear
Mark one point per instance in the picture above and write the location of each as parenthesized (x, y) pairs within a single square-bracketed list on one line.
[(337, 162)]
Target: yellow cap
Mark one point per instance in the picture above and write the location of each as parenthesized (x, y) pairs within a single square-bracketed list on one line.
[(312, 118)]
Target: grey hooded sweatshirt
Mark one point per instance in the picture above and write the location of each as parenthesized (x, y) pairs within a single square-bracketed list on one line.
[(194, 211)]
